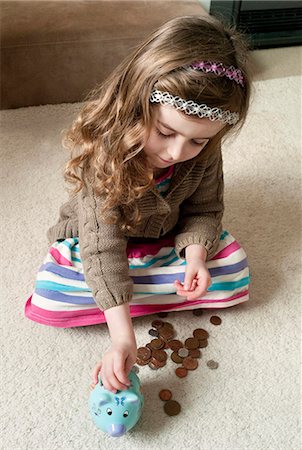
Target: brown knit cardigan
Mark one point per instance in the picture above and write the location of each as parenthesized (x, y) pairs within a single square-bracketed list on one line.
[(191, 209)]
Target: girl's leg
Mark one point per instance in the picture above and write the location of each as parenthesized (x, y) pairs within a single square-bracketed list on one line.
[(61, 297)]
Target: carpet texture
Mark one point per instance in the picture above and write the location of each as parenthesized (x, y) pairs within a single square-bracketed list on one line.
[(252, 401)]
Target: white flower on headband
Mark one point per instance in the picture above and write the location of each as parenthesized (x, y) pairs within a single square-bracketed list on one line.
[(190, 107)]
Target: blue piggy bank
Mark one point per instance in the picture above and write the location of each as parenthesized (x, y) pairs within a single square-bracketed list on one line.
[(116, 413)]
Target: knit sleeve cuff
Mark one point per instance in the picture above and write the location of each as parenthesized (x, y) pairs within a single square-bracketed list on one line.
[(182, 240), (105, 303)]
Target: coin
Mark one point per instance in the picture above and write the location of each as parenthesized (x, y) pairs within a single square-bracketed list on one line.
[(175, 344), (153, 332), (143, 353), (168, 325), (183, 352), (176, 358), (152, 366), (156, 363), (162, 314), (157, 324), (172, 408), (195, 353), (166, 333), (212, 364), (141, 362), (165, 395), (190, 363), (215, 320), (191, 343), (135, 369), (203, 343), (160, 355), (200, 333), (197, 312), (157, 344), (181, 372)]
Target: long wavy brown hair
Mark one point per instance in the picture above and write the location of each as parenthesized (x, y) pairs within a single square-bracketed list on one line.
[(107, 138)]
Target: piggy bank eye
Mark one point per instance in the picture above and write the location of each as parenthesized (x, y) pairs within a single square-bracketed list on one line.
[(109, 411), (126, 414)]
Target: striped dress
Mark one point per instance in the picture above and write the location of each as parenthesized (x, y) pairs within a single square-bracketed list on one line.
[(61, 297)]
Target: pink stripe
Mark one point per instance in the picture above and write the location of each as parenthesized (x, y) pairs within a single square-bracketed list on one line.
[(68, 319), (141, 250), (227, 251), (166, 175), (60, 259)]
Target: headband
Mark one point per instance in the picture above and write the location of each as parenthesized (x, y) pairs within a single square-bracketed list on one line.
[(202, 110)]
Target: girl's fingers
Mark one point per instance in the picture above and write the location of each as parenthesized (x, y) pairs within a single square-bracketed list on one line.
[(119, 371), (112, 381), (96, 371)]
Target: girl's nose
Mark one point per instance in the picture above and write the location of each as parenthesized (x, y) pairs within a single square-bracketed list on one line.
[(175, 150)]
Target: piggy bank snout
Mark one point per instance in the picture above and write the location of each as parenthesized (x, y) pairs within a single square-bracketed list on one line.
[(117, 430)]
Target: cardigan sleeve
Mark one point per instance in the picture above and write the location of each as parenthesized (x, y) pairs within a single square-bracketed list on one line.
[(103, 253), (201, 214)]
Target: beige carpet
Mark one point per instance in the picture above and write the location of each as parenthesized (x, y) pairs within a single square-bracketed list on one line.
[(252, 401)]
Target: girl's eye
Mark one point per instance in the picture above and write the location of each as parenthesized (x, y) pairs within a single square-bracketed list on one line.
[(166, 136)]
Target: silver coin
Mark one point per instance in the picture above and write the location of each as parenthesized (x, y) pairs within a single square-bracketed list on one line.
[(212, 364), (183, 352), (135, 369)]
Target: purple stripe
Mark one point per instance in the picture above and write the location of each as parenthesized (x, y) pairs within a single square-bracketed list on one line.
[(60, 297), (170, 278), (62, 271)]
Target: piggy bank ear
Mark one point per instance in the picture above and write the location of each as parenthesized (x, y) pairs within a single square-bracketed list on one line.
[(104, 398), (132, 398)]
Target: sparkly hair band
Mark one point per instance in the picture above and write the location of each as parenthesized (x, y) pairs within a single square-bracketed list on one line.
[(189, 107), (219, 69)]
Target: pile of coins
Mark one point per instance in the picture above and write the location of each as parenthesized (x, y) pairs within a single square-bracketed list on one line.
[(187, 354)]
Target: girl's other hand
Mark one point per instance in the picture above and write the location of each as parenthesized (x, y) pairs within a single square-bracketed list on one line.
[(197, 281), (115, 366)]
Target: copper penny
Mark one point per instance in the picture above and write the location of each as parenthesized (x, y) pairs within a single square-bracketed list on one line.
[(203, 343), (152, 366), (140, 362), (165, 395), (168, 325), (190, 363), (157, 344), (157, 324), (200, 333), (157, 363), (162, 314), (215, 320), (181, 372), (191, 343), (195, 353), (160, 355), (176, 358), (172, 408), (175, 344), (166, 333), (144, 353)]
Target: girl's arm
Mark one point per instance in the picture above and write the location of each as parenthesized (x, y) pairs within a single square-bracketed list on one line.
[(103, 250), (201, 214), (119, 323)]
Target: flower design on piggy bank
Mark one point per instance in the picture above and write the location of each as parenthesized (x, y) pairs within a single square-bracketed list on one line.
[(117, 413)]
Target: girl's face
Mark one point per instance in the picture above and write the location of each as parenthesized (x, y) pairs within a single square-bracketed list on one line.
[(175, 138)]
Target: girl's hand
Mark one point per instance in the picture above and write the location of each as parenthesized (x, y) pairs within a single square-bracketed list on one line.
[(197, 280), (115, 366)]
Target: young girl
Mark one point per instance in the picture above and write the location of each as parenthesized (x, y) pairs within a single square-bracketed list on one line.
[(141, 231)]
